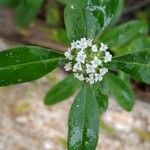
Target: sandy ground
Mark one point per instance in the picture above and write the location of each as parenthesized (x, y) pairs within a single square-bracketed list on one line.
[(27, 124)]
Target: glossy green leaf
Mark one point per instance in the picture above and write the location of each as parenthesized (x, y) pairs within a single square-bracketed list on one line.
[(27, 11), (89, 18), (137, 44), (106, 11), (62, 90), (23, 64), (135, 64), (121, 35), (118, 12), (84, 121), (121, 91), (100, 92), (77, 22), (125, 77)]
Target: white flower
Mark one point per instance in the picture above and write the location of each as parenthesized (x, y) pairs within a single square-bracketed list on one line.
[(68, 54), (90, 68), (86, 60), (78, 45), (79, 76), (77, 67), (98, 77), (83, 40), (94, 48), (90, 79), (91, 76), (83, 43), (81, 57), (103, 71), (68, 66), (73, 45), (107, 57), (103, 47), (89, 42), (96, 62)]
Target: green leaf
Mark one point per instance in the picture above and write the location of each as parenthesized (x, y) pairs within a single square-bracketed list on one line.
[(125, 77), (89, 18), (27, 11), (137, 44), (100, 92), (8, 2), (121, 91), (136, 64), (84, 121), (76, 22), (23, 64), (52, 14), (118, 12), (121, 35), (62, 90)]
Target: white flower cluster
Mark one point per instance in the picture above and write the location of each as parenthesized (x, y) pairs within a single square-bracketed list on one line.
[(87, 60)]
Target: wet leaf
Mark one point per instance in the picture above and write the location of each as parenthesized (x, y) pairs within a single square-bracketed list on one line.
[(137, 44), (125, 77), (136, 64), (23, 64), (123, 34), (62, 90), (89, 18), (118, 12), (84, 121), (121, 91), (99, 90)]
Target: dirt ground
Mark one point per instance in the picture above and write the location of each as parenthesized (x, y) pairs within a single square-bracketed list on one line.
[(27, 124)]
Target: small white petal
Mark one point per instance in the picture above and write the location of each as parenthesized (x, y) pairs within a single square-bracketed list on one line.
[(96, 62), (90, 68), (108, 57), (77, 67), (90, 79), (94, 48), (83, 43), (68, 67), (78, 44), (81, 57), (79, 76), (98, 77), (103, 47), (73, 45), (103, 71), (89, 42), (68, 54), (83, 40), (91, 76)]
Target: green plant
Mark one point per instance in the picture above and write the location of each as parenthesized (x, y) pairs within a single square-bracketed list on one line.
[(89, 24), (26, 11)]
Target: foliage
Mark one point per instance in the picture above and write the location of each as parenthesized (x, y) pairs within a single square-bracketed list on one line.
[(91, 19)]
